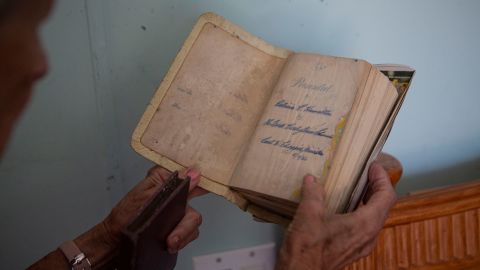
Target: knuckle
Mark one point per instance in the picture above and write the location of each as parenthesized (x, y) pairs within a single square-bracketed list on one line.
[(196, 235), (312, 205), (157, 175), (197, 218), (152, 170)]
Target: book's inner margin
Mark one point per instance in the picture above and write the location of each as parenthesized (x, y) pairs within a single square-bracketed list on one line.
[(300, 125), (212, 106)]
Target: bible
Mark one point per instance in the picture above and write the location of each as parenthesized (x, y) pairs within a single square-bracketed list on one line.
[(255, 119)]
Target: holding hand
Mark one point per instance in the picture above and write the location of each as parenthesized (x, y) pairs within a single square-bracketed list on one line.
[(101, 243), (316, 240), (185, 232)]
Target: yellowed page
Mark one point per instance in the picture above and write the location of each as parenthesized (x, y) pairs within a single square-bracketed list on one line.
[(300, 125), (213, 104)]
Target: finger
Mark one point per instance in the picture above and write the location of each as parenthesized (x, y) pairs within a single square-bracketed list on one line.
[(382, 192), (190, 238), (312, 189), (196, 192), (392, 166), (382, 195), (189, 224), (194, 175), (157, 175), (313, 195)]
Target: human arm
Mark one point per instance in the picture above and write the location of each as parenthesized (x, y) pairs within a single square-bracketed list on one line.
[(316, 240), (103, 241)]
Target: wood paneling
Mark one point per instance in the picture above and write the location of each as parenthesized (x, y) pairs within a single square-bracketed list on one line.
[(435, 229)]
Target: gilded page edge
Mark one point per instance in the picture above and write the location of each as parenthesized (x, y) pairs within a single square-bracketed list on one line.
[(161, 91)]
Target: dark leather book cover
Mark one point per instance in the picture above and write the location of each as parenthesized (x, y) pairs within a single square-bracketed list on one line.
[(145, 244)]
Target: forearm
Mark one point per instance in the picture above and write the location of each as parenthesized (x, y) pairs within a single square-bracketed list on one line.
[(97, 245), (54, 260)]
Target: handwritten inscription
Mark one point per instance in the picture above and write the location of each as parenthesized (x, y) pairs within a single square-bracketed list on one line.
[(288, 145), (303, 108), (233, 114), (320, 66), (185, 90), (302, 83), (223, 129), (242, 97), (299, 156), (277, 123)]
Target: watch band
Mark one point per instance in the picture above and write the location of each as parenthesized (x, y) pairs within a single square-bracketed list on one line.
[(75, 257)]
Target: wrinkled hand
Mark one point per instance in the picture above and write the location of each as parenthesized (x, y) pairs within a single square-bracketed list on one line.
[(316, 240), (185, 232)]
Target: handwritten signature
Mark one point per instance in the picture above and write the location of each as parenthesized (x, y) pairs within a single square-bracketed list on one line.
[(291, 147), (303, 108), (277, 123), (302, 83)]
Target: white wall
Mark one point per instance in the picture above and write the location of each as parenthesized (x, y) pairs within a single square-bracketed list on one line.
[(71, 161)]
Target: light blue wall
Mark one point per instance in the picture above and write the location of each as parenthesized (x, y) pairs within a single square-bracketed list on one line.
[(71, 161)]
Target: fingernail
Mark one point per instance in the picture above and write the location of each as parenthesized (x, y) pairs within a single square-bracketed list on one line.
[(309, 179), (175, 240), (193, 173)]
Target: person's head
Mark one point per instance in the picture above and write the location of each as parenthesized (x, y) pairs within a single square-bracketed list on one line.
[(22, 59)]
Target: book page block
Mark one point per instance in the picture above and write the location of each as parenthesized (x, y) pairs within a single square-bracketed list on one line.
[(301, 124)]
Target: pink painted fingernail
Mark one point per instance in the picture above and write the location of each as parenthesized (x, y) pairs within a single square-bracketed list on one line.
[(193, 173), (309, 179)]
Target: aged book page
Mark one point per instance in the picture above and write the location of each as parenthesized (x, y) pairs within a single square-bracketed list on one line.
[(213, 104), (301, 124)]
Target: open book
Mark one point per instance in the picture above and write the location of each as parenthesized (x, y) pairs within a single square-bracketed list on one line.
[(255, 119)]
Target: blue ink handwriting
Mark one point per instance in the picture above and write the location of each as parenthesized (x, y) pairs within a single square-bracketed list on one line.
[(291, 147), (277, 123), (304, 108), (302, 83)]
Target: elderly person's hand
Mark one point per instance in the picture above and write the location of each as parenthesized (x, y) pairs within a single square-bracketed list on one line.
[(316, 240), (102, 242), (185, 232)]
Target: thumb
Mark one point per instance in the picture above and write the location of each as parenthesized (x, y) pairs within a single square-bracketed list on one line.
[(194, 190), (381, 190), (380, 195), (194, 175), (313, 195)]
